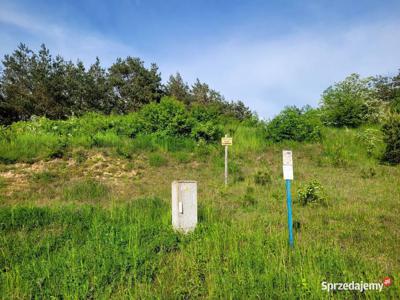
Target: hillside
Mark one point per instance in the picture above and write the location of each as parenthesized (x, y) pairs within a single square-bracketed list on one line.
[(88, 215)]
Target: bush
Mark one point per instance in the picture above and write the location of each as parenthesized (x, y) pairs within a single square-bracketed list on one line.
[(295, 124), (168, 117), (370, 139), (207, 131), (262, 177), (391, 137), (312, 193)]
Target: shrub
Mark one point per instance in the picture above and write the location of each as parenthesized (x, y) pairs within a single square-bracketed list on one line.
[(312, 193), (156, 160), (336, 154), (369, 138), (262, 177), (295, 124), (207, 131), (168, 117), (391, 137)]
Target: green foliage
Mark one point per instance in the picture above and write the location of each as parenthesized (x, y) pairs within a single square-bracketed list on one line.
[(178, 89), (295, 124), (336, 154), (133, 85), (85, 190), (263, 177), (157, 160), (350, 147), (167, 125), (37, 84), (168, 117), (350, 103), (391, 137), (312, 193), (207, 131), (370, 138)]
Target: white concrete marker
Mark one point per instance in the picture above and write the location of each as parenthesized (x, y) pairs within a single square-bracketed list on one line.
[(184, 205)]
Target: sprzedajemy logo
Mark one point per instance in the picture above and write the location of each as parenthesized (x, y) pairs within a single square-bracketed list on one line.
[(356, 286)]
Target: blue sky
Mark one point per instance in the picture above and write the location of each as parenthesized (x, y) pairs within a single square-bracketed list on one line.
[(266, 53)]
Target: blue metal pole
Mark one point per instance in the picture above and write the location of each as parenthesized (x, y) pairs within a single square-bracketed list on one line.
[(289, 211)]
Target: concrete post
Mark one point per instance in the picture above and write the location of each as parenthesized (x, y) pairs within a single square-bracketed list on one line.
[(184, 205)]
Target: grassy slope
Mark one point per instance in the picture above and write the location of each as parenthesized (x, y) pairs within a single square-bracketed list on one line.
[(75, 227)]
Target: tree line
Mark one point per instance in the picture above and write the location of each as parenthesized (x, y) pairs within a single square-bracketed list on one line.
[(38, 84)]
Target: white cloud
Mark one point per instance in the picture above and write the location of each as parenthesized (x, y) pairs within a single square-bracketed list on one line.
[(69, 42), (266, 74), (295, 69)]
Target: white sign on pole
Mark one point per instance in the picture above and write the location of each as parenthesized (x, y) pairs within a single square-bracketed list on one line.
[(287, 164)]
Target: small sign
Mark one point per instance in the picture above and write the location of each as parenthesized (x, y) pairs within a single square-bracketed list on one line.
[(226, 141), (287, 164)]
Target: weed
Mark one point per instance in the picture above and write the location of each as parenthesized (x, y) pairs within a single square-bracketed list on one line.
[(263, 177), (157, 160), (80, 156), (312, 193), (249, 199), (368, 172), (182, 157), (45, 177)]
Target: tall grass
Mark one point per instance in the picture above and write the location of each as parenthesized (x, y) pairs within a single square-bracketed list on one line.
[(88, 189), (131, 251), (29, 147)]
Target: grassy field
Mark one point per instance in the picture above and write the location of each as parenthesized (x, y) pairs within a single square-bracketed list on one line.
[(95, 222)]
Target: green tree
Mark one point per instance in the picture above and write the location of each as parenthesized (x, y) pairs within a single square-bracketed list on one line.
[(98, 93), (18, 101), (387, 89), (178, 89), (133, 85), (350, 103), (203, 94)]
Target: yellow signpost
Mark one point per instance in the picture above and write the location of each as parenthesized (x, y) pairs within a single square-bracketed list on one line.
[(226, 141)]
